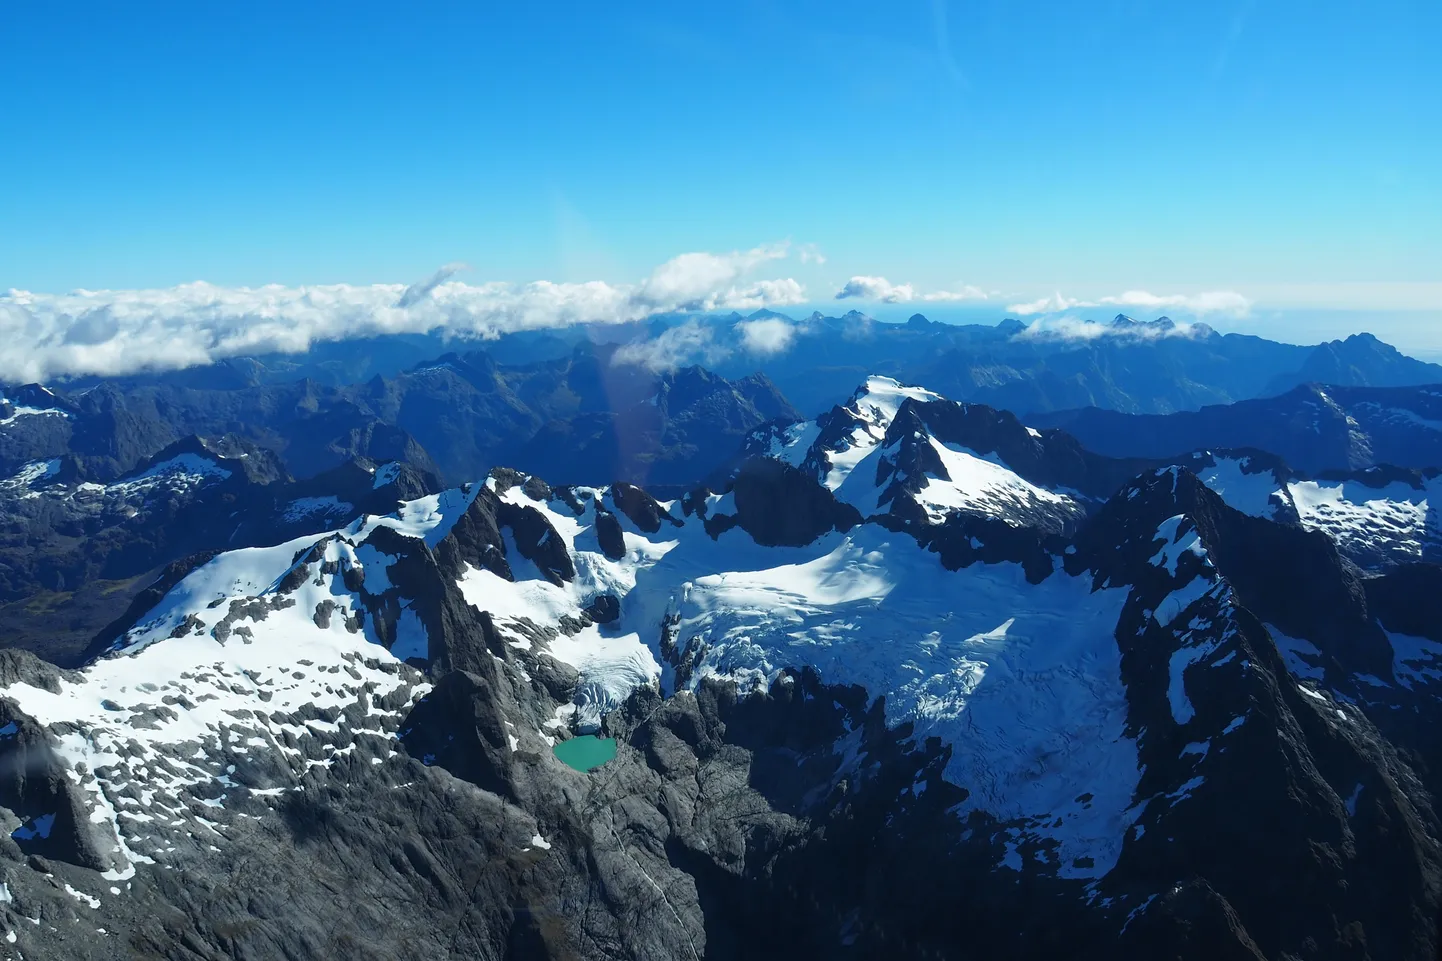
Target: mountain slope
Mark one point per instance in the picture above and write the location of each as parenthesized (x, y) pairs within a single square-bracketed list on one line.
[(75, 552), (454, 417), (915, 458), (674, 437), (961, 476), (1359, 361), (1377, 518), (816, 717), (111, 429)]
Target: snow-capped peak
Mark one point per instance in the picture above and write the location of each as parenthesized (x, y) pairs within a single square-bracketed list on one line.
[(943, 459)]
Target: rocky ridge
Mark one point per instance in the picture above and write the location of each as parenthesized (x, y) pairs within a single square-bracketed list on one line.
[(794, 688)]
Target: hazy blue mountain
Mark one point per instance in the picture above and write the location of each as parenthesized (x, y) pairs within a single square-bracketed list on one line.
[(1359, 361), (1314, 428), (1124, 364)]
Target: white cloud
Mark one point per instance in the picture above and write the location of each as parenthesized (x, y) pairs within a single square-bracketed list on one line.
[(1071, 327), (416, 293), (112, 332), (882, 290), (770, 335), (1062, 328), (762, 293), (965, 292), (877, 289), (1209, 302), (811, 254), (704, 281), (674, 347), (1046, 305), (695, 343)]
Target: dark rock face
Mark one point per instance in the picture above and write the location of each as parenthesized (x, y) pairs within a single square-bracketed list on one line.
[(1053, 459), (1408, 600), (55, 817), (538, 542), (640, 507), (476, 539), (604, 609), (610, 534), (910, 460), (643, 509), (778, 504), (1298, 755), (1288, 576), (962, 540), (460, 727)]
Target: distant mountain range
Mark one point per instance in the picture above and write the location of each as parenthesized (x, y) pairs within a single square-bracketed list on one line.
[(1314, 428), (454, 416), (1124, 365), (1149, 367)]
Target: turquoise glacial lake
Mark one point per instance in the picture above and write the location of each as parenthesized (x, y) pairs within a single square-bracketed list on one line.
[(586, 753)]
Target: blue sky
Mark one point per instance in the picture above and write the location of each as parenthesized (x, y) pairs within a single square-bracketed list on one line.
[(1289, 151)]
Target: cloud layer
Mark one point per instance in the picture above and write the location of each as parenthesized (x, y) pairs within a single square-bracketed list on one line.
[(880, 290), (1210, 302), (1068, 327), (688, 343), (112, 332), (116, 332)]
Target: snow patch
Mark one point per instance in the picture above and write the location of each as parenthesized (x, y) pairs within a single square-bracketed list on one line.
[(1302, 657), (1258, 494), (1396, 521), (1176, 541), (980, 484), (874, 406), (22, 410), (191, 467), (1415, 660), (319, 507), (386, 474)]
